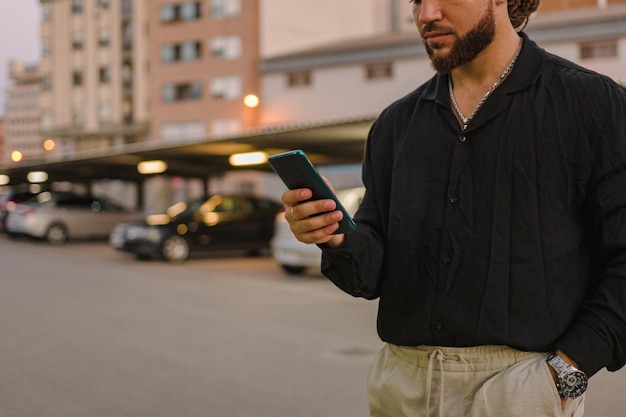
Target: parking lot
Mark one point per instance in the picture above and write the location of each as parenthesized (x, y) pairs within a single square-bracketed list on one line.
[(90, 332)]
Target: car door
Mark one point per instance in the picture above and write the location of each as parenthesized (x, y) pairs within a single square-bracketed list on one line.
[(76, 214), (220, 222)]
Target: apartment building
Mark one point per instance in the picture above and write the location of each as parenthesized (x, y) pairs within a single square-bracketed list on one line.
[(22, 139), (204, 59), (288, 26), (359, 77), (94, 68)]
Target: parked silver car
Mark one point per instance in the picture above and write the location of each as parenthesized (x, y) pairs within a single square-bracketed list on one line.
[(59, 216), (294, 256)]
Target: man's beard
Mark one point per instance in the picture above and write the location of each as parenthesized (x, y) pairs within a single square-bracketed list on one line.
[(466, 48)]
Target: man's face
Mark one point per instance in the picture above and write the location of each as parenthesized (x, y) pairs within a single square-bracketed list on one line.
[(447, 46)]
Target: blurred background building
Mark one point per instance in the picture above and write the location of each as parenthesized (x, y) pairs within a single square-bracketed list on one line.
[(22, 136), (94, 73), (119, 72)]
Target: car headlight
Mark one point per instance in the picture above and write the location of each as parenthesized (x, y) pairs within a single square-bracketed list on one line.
[(153, 235)]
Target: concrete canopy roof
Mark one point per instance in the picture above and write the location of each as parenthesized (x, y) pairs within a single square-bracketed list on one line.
[(326, 143)]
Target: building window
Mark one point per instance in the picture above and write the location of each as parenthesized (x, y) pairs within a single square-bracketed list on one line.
[(46, 119), (168, 13), (175, 12), (77, 78), (127, 75), (127, 6), (104, 37), (103, 4), (606, 48), (226, 47), (190, 51), (299, 79), (221, 9), (182, 92), (182, 130), (46, 48), (226, 126), (228, 88), (46, 11), (46, 83), (378, 70), (78, 116), (186, 51), (77, 6), (190, 11), (77, 41), (104, 75), (104, 113)]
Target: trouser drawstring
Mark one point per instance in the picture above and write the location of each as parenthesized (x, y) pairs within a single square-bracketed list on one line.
[(435, 355)]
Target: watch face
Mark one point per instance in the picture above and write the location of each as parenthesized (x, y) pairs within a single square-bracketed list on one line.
[(573, 384)]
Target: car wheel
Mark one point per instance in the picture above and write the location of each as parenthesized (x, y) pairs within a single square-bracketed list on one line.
[(175, 249), (293, 270), (56, 234)]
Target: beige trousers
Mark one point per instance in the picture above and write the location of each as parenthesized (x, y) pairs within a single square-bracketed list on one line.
[(484, 381)]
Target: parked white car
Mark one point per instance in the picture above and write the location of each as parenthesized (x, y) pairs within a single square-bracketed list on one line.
[(59, 216), (296, 257)]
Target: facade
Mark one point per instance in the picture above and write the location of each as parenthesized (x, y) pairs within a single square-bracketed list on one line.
[(360, 77), (204, 60), (552, 5), (22, 139), (94, 68), (288, 26)]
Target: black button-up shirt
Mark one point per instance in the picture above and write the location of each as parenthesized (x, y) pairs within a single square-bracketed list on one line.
[(511, 232)]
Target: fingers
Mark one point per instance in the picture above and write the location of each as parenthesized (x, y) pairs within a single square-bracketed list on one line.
[(310, 221)]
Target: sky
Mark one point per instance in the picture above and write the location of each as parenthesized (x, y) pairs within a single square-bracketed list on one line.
[(19, 37)]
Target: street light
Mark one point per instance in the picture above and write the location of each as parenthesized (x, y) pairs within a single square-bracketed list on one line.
[(48, 144), (248, 158), (152, 167), (251, 100), (16, 156), (37, 176)]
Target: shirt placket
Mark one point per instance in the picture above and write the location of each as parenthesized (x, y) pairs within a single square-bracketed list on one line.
[(450, 252)]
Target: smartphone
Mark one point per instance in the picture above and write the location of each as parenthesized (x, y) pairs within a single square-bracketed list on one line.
[(296, 171)]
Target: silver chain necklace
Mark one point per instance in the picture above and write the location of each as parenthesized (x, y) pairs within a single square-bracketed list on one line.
[(466, 120)]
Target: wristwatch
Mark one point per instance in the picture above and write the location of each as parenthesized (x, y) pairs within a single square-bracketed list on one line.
[(571, 381)]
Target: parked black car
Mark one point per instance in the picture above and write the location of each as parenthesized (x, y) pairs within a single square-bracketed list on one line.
[(221, 222)]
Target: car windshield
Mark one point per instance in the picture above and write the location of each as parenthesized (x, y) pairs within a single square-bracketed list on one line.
[(184, 209)]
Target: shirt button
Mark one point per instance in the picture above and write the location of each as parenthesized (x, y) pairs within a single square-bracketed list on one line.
[(438, 325), (462, 138), (445, 259), (454, 199)]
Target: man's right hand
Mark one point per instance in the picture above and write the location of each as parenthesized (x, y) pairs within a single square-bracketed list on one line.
[(306, 220)]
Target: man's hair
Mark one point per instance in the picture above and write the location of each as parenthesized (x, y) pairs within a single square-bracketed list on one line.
[(520, 11)]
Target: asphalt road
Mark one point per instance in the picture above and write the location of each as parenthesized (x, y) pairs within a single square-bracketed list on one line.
[(89, 332)]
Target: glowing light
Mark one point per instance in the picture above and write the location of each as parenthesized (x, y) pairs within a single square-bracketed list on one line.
[(249, 158), (48, 144), (152, 167), (4, 179), (16, 156), (37, 176), (251, 100)]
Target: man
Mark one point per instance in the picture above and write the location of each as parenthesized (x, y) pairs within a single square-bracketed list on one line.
[(493, 228)]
